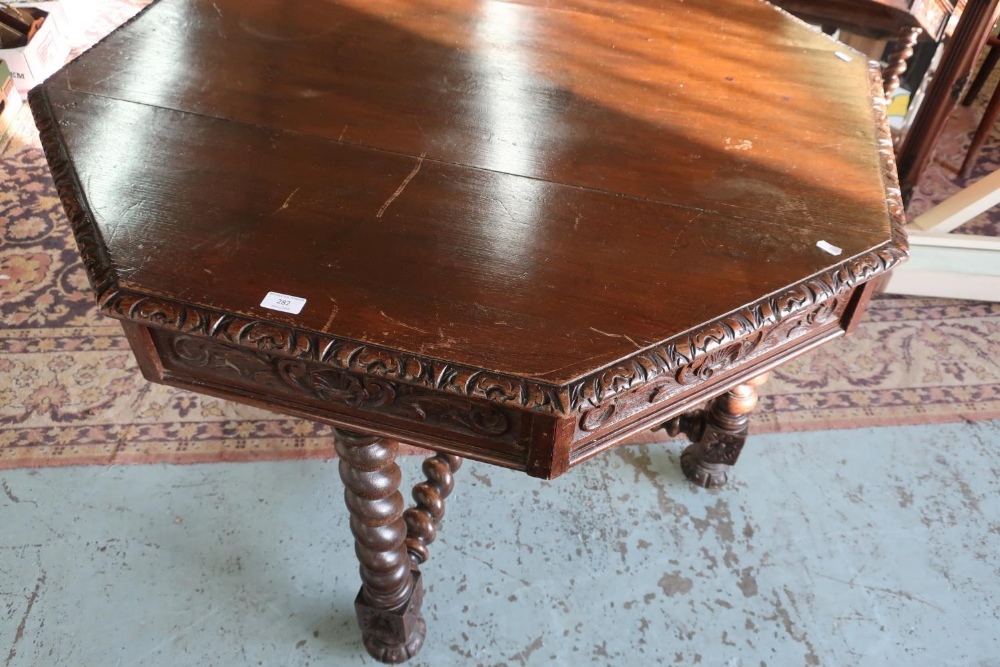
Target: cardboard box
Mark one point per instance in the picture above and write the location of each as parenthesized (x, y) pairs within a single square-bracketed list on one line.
[(44, 54), (56, 10), (10, 103)]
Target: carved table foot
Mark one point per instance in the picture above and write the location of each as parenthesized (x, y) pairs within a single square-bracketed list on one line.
[(717, 433), (388, 605)]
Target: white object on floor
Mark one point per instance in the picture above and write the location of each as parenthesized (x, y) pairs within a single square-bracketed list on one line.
[(960, 266)]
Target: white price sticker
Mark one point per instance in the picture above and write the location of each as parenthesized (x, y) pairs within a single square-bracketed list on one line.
[(828, 247), (283, 302)]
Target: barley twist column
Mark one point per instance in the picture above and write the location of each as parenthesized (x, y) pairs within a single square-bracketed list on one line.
[(422, 520), (388, 605), (897, 59)]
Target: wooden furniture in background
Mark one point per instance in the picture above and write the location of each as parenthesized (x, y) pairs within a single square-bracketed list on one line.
[(992, 109), (900, 20), (945, 90), (514, 232)]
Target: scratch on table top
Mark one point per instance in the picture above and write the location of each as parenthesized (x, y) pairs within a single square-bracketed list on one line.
[(219, 12), (446, 341), (613, 335), (333, 314), (505, 209), (683, 233), (402, 324), (402, 186), (560, 368), (289, 200)]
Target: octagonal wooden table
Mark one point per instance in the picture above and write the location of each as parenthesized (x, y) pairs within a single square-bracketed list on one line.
[(519, 232)]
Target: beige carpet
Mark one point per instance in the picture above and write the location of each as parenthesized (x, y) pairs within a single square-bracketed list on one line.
[(70, 393)]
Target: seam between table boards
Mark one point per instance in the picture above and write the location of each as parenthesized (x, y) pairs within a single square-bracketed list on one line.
[(427, 158)]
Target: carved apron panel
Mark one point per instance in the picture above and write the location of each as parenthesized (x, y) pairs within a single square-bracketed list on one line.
[(725, 358), (269, 374)]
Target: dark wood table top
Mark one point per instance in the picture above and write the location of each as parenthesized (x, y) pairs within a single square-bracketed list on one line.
[(527, 202)]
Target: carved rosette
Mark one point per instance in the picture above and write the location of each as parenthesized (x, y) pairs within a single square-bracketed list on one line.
[(720, 446)]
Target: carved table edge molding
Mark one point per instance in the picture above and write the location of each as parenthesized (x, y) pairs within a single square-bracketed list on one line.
[(594, 390)]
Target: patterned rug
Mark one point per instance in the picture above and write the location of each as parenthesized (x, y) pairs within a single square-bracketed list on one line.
[(70, 393)]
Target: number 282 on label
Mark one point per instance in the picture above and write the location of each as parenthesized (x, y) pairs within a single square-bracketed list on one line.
[(283, 303)]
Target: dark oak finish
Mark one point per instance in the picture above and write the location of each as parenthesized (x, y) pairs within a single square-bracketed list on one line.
[(897, 59), (523, 232), (422, 520)]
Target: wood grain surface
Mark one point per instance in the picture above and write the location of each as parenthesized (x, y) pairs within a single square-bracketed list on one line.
[(535, 191)]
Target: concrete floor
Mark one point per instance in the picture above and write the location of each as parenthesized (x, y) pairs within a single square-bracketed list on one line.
[(870, 547)]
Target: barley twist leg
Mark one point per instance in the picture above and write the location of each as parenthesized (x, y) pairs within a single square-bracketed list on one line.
[(388, 605)]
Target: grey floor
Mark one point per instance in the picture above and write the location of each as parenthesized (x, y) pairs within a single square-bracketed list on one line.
[(869, 547)]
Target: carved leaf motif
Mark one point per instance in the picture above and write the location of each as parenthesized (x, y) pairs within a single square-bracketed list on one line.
[(340, 387), (482, 419), (327, 384), (195, 352), (716, 361), (591, 420)]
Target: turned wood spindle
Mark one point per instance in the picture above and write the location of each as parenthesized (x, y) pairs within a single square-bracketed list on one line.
[(897, 59), (422, 520)]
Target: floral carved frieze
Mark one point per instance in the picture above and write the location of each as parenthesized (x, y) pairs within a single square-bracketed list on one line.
[(717, 361), (704, 367), (329, 385)]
